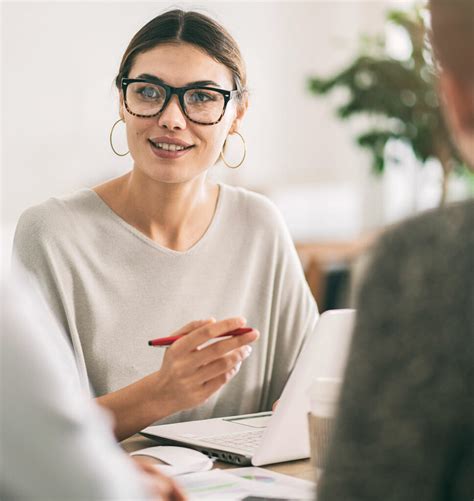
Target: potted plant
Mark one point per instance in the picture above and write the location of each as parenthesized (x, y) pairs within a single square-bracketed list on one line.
[(403, 92)]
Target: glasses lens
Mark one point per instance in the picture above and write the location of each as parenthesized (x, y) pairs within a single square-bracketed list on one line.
[(203, 105), (145, 98)]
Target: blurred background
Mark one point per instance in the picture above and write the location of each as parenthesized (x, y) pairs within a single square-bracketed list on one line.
[(59, 60)]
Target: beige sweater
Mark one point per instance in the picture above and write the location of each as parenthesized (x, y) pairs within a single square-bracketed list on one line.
[(113, 289)]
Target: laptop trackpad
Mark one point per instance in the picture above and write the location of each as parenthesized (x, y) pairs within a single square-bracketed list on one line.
[(253, 422)]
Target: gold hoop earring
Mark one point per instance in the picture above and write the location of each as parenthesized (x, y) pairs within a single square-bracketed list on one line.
[(111, 141), (236, 166)]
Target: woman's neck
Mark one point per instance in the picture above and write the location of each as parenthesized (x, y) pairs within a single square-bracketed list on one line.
[(175, 216)]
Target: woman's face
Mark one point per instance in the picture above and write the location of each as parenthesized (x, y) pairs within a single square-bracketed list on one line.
[(178, 65)]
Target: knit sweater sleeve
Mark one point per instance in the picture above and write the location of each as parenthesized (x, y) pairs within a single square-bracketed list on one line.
[(405, 423), (36, 249)]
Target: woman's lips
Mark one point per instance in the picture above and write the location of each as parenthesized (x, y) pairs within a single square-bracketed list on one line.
[(168, 154)]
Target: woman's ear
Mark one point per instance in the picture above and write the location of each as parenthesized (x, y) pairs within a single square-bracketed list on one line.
[(458, 102), (241, 111), (458, 107)]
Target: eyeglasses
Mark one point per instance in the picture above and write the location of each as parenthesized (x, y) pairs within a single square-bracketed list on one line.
[(202, 105)]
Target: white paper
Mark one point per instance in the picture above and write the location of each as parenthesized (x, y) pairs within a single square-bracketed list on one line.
[(237, 484), (286, 485), (217, 485)]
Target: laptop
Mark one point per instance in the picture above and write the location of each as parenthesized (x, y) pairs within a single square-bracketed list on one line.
[(271, 437)]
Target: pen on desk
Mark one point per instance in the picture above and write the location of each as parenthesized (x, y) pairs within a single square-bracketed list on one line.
[(167, 341)]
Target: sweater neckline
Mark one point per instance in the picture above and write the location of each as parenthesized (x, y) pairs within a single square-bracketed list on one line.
[(150, 242)]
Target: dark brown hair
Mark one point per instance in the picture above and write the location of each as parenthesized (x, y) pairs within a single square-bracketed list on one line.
[(452, 24), (177, 26)]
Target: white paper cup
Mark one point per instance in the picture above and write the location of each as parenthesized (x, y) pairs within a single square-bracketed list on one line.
[(324, 397)]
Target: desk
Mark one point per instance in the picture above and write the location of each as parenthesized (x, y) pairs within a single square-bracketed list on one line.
[(299, 469)]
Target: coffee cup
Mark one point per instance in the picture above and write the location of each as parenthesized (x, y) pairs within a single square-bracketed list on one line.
[(324, 397)]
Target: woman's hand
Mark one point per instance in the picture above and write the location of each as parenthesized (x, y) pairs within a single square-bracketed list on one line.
[(160, 486), (189, 375)]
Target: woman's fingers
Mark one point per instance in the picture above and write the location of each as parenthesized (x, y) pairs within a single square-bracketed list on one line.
[(223, 365), (220, 348), (188, 376), (195, 324), (206, 332), (214, 384)]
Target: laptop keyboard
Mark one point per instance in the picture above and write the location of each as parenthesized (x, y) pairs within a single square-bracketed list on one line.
[(246, 441)]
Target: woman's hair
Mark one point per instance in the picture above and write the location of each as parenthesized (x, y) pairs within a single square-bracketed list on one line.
[(177, 26), (452, 23)]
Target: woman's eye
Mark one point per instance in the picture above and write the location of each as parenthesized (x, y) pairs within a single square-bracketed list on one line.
[(149, 93), (201, 97)]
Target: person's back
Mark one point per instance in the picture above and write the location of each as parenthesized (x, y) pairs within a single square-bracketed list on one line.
[(405, 427), (406, 422), (55, 444)]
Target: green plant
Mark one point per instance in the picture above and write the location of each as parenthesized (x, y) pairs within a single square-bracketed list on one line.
[(402, 92)]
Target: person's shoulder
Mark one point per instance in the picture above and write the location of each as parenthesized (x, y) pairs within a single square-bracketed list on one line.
[(53, 215), (255, 206), (434, 231), (432, 251)]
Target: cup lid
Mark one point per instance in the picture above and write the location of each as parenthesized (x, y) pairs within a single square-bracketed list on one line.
[(325, 389)]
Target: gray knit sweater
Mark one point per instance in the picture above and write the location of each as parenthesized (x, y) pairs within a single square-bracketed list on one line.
[(405, 429)]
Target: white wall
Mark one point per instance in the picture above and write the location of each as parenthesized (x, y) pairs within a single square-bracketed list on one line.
[(59, 60)]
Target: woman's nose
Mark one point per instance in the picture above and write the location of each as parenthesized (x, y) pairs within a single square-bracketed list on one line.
[(172, 117)]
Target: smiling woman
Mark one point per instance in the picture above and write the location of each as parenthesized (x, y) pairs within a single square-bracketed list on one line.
[(136, 257), (174, 102)]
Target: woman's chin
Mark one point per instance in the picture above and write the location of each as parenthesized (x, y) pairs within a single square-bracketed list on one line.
[(169, 174)]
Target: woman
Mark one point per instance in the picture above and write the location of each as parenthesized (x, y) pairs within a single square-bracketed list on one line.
[(134, 258), (405, 429)]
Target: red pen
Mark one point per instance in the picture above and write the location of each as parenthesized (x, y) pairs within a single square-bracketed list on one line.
[(167, 341)]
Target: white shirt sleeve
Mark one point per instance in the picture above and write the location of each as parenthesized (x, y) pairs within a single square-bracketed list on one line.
[(56, 443)]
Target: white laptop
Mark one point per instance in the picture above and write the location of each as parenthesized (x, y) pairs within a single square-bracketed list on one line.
[(267, 437)]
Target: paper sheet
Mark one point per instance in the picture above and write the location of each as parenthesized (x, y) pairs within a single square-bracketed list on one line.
[(286, 485), (241, 483)]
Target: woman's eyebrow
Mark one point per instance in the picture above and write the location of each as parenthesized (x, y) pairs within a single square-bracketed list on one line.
[(197, 83)]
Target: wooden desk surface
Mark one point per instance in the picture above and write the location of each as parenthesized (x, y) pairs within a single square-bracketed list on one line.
[(299, 469)]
